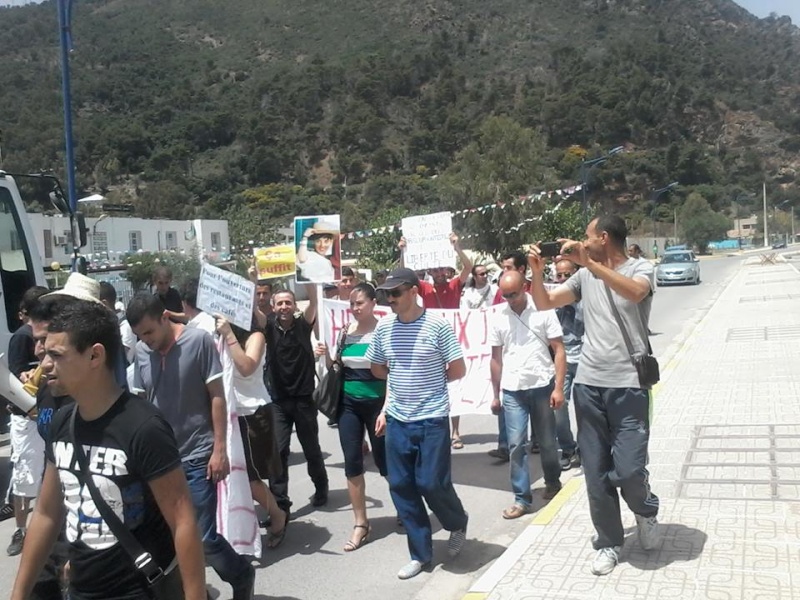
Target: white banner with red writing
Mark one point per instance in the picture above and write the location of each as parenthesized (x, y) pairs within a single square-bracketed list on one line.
[(470, 395)]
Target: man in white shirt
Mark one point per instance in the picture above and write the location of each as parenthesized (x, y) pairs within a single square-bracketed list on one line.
[(197, 318), (532, 386)]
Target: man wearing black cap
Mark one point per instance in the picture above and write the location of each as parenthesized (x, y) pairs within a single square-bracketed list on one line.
[(418, 353)]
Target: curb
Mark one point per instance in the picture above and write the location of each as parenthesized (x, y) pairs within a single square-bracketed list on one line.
[(483, 587)]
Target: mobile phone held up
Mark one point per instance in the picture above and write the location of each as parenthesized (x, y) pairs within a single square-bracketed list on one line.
[(550, 249)]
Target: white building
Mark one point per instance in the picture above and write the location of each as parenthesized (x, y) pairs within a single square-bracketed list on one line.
[(110, 238)]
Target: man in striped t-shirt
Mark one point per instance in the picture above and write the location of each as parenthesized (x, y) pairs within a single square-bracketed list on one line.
[(418, 353)]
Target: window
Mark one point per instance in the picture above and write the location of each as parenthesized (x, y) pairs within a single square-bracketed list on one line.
[(48, 243), (215, 241), (135, 241), (16, 266), (171, 239), (100, 242)]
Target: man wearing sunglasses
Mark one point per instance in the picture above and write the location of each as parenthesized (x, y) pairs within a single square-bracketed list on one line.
[(531, 383), (612, 406), (418, 353)]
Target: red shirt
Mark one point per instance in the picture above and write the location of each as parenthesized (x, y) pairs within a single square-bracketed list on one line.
[(498, 297), (445, 295)]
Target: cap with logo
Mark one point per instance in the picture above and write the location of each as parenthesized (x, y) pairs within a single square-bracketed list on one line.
[(399, 277)]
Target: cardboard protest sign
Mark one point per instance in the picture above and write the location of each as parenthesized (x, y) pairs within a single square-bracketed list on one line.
[(275, 261), (223, 293), (319, 253), (470, 395), (428, 241)]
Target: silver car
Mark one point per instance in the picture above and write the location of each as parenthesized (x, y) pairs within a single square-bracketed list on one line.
[(678, 266)]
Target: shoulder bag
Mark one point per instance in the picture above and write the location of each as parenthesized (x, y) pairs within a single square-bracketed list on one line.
[(328, 394), (141, 558), (646, 364)]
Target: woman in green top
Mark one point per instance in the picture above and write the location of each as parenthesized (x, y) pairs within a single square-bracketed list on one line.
[(361, 404)]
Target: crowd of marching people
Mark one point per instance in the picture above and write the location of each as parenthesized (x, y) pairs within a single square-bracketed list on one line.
[(131, 435)]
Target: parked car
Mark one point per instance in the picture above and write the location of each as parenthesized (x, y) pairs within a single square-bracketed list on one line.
[(678, 266), (778, 245)]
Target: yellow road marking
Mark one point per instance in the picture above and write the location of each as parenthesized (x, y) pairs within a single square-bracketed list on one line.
[(544, 516), (475, 596)]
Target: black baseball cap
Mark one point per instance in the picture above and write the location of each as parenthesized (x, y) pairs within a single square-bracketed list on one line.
[(399, 277)]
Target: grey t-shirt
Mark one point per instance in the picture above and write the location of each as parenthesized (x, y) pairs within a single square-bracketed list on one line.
[(180, 377), (605, 361)]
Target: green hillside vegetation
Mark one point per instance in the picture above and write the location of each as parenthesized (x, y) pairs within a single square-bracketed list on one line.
[(259, 110)]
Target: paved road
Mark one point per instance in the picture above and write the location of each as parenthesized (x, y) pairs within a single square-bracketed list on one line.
[(311, 563)]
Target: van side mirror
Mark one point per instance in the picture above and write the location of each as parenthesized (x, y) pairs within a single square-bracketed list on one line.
[(79, 231)]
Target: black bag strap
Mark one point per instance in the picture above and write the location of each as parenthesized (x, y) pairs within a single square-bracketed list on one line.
[(142, 559), (622, 327), (340, 344)]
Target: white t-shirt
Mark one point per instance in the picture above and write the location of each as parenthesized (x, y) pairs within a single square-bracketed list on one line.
[(250, 392), (128, 340), (316, 268), (479, 297), (525, 340), (204, 322)]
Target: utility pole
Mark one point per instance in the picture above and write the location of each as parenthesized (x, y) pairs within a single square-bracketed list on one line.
[(766, 224)]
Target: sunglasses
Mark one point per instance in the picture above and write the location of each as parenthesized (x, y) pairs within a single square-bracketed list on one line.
[(397, 292)]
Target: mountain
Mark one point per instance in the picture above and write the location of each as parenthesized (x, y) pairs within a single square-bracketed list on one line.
[(198, 101)]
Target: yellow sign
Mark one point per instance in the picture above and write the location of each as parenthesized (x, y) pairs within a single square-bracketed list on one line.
[(275, 261)]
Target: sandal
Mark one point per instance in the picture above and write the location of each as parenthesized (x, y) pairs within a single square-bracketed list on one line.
[(516, 511), (350, 546), (456, 443), (276, 539)]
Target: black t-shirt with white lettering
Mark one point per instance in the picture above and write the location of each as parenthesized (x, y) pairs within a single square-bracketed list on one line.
[(291, 360), (130, 445), (47, 405)]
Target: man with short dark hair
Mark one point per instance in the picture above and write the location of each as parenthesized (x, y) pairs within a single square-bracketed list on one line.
[(169, 296), (346, 284), (612, 406), (291, 371), (196, 317), (178, 369), (134, 462)]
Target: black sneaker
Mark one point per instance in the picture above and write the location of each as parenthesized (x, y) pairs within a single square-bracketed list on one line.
[(17, 541), (247, 588), (570, 461), (535, 448), (500, 454), (6, 512), (320, 497)]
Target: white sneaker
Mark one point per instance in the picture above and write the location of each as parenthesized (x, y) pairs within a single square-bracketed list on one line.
[(647, 530), (412, 569), (605, 560)]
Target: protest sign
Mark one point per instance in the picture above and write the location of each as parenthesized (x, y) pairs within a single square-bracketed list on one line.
[(275, 261), (428, 241), (319, 253), (470, 395), (223, 293)]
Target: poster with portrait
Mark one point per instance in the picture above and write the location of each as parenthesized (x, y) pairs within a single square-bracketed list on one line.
[(318, 251)]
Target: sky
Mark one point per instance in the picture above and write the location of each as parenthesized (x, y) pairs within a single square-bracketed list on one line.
[(763, 8)]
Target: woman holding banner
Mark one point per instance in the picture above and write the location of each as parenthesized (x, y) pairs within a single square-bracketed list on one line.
[(361, 404), (243, 364)]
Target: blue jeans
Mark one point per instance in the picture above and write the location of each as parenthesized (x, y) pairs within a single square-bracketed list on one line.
[(519, 406), (563, 429), (418, 463), (502, 434), (220, 556)]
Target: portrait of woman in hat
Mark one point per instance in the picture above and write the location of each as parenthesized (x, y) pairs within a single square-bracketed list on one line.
[(318, 249)]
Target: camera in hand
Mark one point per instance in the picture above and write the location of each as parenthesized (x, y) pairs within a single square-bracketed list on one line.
[(550, 249)]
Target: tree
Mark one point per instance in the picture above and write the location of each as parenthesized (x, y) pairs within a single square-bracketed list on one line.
[(700, 224), (140, 267), (506, 161), (379, 251)]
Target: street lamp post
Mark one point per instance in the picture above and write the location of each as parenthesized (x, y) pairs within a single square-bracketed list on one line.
[(784, 203), (94, 233), (656, 195), (586, 167)]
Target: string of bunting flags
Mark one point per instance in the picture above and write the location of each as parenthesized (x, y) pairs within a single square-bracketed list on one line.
[(521, 201)]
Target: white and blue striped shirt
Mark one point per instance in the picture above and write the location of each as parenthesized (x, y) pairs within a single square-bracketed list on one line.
[(417, 355)]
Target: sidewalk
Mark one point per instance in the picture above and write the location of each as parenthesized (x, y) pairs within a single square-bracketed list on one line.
[(725, 461)]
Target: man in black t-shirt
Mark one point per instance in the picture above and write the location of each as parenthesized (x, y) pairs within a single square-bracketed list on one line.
[(133, 457), (291, 370), (169, 296)]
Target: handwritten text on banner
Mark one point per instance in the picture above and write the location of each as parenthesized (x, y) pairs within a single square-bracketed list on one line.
[(428, 241), (222, 293)]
